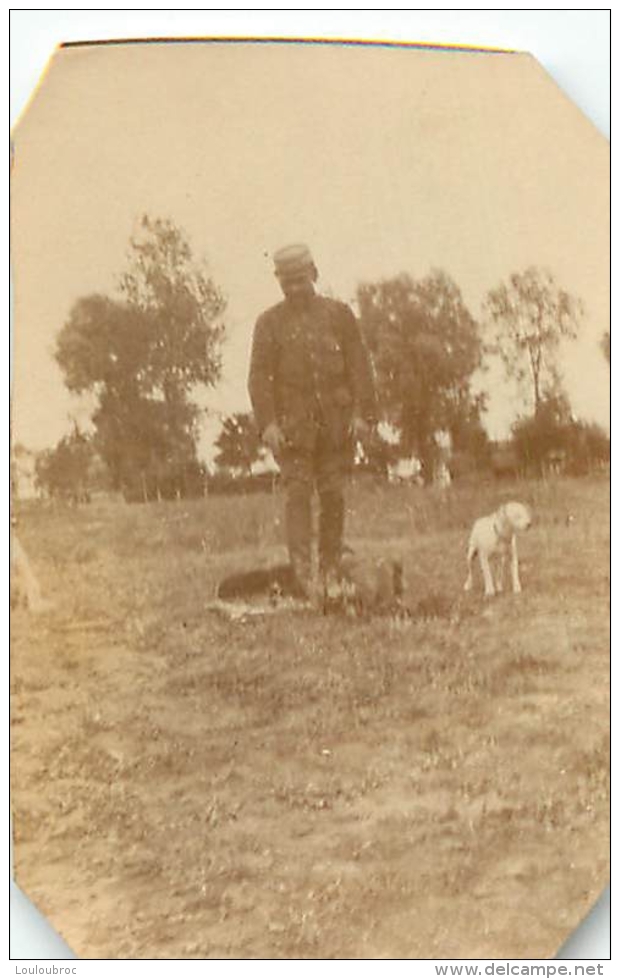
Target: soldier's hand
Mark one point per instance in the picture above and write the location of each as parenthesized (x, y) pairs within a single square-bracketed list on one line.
[(273, 437), (360, 429)]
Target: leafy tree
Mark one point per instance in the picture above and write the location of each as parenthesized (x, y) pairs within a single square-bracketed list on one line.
[(64, 471), (238, 444), (536, 437), (588, 447), (425, 346), (149, 449), (528, 317), (143, 354), (104, 346), (553, 434), (182, 306), (470, 441)]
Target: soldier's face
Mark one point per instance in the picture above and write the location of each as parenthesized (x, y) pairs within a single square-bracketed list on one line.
[(297, 287)]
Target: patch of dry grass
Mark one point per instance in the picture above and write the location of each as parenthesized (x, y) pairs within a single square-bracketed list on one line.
[(293, 786)]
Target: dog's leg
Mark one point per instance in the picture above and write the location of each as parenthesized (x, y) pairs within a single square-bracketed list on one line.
[(471, 553), (514, 567), (501, 567), (489, 587)]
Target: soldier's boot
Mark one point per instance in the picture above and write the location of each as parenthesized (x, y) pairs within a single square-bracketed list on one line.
[(299, 534)]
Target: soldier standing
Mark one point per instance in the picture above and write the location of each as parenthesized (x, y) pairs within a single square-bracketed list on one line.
[(312, 391)]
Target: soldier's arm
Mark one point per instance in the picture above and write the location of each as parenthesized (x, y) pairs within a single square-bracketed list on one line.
[(359, 368), (261, 374)]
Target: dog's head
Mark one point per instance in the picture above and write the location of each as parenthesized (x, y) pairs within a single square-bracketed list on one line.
[(518, 516)]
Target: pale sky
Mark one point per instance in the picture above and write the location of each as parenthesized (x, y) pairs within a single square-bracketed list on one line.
[(382, 160)]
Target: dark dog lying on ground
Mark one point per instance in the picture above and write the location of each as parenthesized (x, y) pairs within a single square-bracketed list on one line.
[(274, 583), (364, 585)]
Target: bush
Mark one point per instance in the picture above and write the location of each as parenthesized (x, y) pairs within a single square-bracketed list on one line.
[(554, 441), (588, 448)]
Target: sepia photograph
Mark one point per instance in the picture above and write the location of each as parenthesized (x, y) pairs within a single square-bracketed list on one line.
[(310, 502)]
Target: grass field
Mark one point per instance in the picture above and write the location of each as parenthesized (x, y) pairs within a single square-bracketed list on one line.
[(300, 786)]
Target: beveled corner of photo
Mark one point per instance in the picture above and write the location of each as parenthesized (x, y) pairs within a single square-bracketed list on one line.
[(310, 575)]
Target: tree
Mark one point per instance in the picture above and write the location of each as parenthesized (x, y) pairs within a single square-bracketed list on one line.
[(538, 437), (64, 471), (588, 448), (425, 346), (143, 354), (471, 447), (149, 450), (238, 444), (554, 437), (528, 317), (182, 306)]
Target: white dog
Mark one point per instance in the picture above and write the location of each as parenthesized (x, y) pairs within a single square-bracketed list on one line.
[(496, 535)]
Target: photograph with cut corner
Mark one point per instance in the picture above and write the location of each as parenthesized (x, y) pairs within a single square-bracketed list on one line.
[(310, 502)]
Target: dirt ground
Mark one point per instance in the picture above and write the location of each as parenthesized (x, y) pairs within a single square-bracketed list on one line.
[(308, 787)]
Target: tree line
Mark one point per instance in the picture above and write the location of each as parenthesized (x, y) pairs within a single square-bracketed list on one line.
[(145, 353)]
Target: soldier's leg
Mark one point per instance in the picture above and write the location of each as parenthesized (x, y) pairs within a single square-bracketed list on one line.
[(332, 468), (297, 480)]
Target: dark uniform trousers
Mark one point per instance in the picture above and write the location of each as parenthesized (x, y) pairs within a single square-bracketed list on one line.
[(311, 374), (323, 466)]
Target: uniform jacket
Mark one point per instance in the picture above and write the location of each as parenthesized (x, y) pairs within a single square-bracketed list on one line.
[(309, 367)]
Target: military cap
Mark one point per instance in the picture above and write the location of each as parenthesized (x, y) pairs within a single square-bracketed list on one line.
[(293, 260)]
